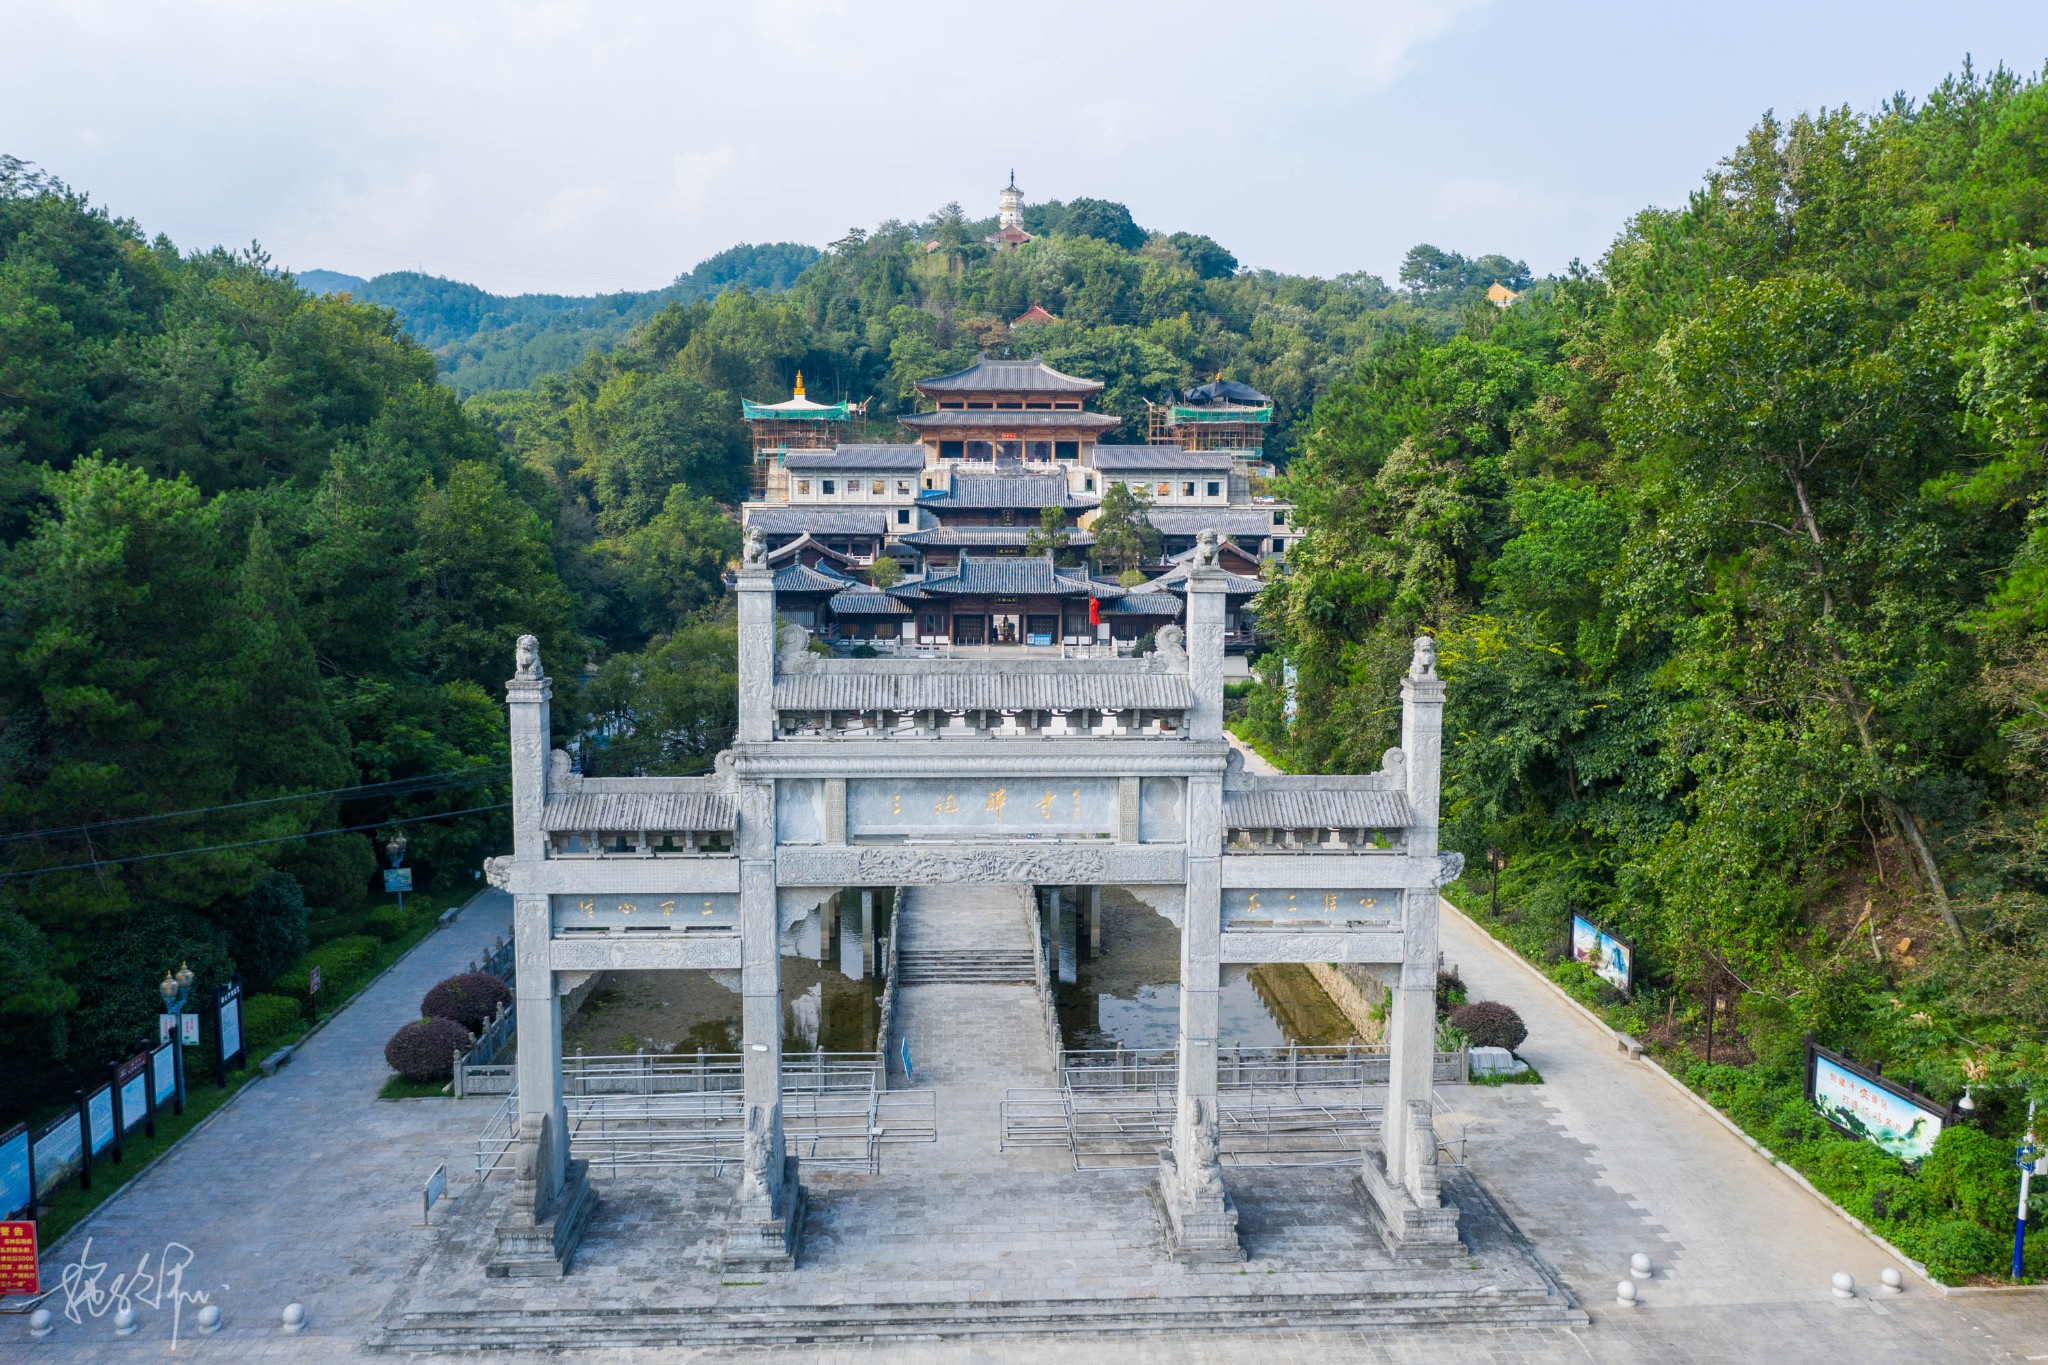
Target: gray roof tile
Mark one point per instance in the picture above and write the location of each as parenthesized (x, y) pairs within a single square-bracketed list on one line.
[(577, 811), (1313, 804), (894, 458), (826, 521), (864, 601), (1009, 376), (803, 578), (1024, 576), (1010, 489), (1131, 459), (1256, 522)]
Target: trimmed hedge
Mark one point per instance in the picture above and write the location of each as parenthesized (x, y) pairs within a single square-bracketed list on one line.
[(425, 1049), (388, 922), (271, 1018), (1488, 1023), (341, 962), (469, 998)]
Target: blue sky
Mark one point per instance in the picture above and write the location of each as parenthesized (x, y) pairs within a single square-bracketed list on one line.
[(579, 147)]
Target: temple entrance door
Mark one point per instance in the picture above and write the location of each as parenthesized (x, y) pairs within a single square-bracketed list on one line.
[(969, 630)]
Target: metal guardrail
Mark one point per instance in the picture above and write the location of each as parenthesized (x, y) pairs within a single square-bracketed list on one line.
[(1116, 1108), (643, 1111), (1249, 1068)]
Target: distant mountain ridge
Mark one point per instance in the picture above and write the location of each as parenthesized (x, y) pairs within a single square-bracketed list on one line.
[(490, 341)]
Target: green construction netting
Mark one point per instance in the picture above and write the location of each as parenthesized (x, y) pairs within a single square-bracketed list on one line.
[(1264, 414), (768, 412)]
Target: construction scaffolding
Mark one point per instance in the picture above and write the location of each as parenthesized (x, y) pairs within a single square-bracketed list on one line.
[(775, 429)]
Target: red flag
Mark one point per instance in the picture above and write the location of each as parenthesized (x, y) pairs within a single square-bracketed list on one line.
[(1094, 611)]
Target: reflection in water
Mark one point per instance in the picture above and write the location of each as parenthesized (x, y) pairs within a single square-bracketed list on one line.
[(1131, 994), (684, 1011)]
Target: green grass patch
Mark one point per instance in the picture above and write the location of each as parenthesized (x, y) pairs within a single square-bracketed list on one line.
[(1530, 1077), (397, 1087)]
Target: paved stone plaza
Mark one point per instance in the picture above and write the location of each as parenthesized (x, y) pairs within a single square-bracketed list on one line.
[(307, 1188)]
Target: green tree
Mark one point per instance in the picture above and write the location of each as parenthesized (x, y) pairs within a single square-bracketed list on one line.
[(1124, 535)]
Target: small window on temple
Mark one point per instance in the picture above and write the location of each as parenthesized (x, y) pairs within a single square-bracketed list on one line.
[(1187, 490), (902, 488), (1066, 450), (1215, 489), (876, 487), (803, 485), (930, 482), (1279, 518), (1088, 483), (1164, 489), (825, 487), (903, 516)]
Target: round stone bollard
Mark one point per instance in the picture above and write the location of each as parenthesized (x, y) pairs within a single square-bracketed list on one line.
[(295, 1317), (209, 1319), (1625, 1294), (1844, 1285), (41, 1324), (1893, 1281), (124, 1323), (1639, 1266)]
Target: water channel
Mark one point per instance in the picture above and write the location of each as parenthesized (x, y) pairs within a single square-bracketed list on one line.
[(1129, 995)]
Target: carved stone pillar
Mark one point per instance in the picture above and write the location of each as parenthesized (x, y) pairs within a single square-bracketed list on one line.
[(553, 1201), (1201, 1219), (767, 1213), (1401, 1178)]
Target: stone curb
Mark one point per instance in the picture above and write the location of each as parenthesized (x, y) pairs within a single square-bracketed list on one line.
[(1624, 1042), (447, 918)]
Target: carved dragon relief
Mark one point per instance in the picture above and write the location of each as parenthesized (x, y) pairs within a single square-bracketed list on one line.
[(890, 865), (1449, 867)]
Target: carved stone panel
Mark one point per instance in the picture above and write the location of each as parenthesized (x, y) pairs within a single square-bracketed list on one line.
[(937, 865), (1162, 810), (985, 806), (1288, 907), (645, 914), (800, 811)]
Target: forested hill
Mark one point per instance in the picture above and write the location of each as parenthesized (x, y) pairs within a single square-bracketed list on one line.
[(495, 341), (1736, 552)]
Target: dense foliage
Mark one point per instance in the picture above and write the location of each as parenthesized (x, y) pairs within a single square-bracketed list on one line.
[(494, 341), (425, 1049), (469, 998), (1734, 549)]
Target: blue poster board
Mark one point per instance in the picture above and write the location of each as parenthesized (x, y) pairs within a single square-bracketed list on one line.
[(1612, 958), (163, 1074), (231, 1023), (17, 1177), (58, 1153), (1865, 1105), (99, 1108), (398, 879)]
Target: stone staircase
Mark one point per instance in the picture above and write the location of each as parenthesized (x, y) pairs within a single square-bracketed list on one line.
[(964, 967)]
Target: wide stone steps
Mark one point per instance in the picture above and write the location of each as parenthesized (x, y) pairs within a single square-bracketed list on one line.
[(965, 966), (735, 1325)]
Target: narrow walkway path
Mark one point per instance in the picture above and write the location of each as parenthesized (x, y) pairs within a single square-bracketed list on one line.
[(306, 1187), (969, 1042)]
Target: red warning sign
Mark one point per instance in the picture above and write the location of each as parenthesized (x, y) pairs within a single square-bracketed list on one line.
[(18, 1259)]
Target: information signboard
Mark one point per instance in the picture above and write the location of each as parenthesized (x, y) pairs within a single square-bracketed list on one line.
[(228, 1005), (398, 879), (18, 1259), (163, 1074), (99, 1112), (133, 1078), (1612, 958), (58, 1153), (313, 980), (17, 1172), (1863, 1104)]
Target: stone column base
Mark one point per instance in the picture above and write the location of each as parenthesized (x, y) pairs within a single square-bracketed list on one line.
[(1198, 1231), (762, 1239), (1409, 1231), (528, 1247)]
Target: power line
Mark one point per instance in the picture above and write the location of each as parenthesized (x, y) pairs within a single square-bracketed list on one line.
[(397, 786), (249, 843)]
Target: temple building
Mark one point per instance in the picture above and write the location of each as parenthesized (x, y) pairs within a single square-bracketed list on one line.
[(1000, 459)]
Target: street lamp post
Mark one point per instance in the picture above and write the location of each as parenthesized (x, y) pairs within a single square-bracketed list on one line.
[(175, 988)]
